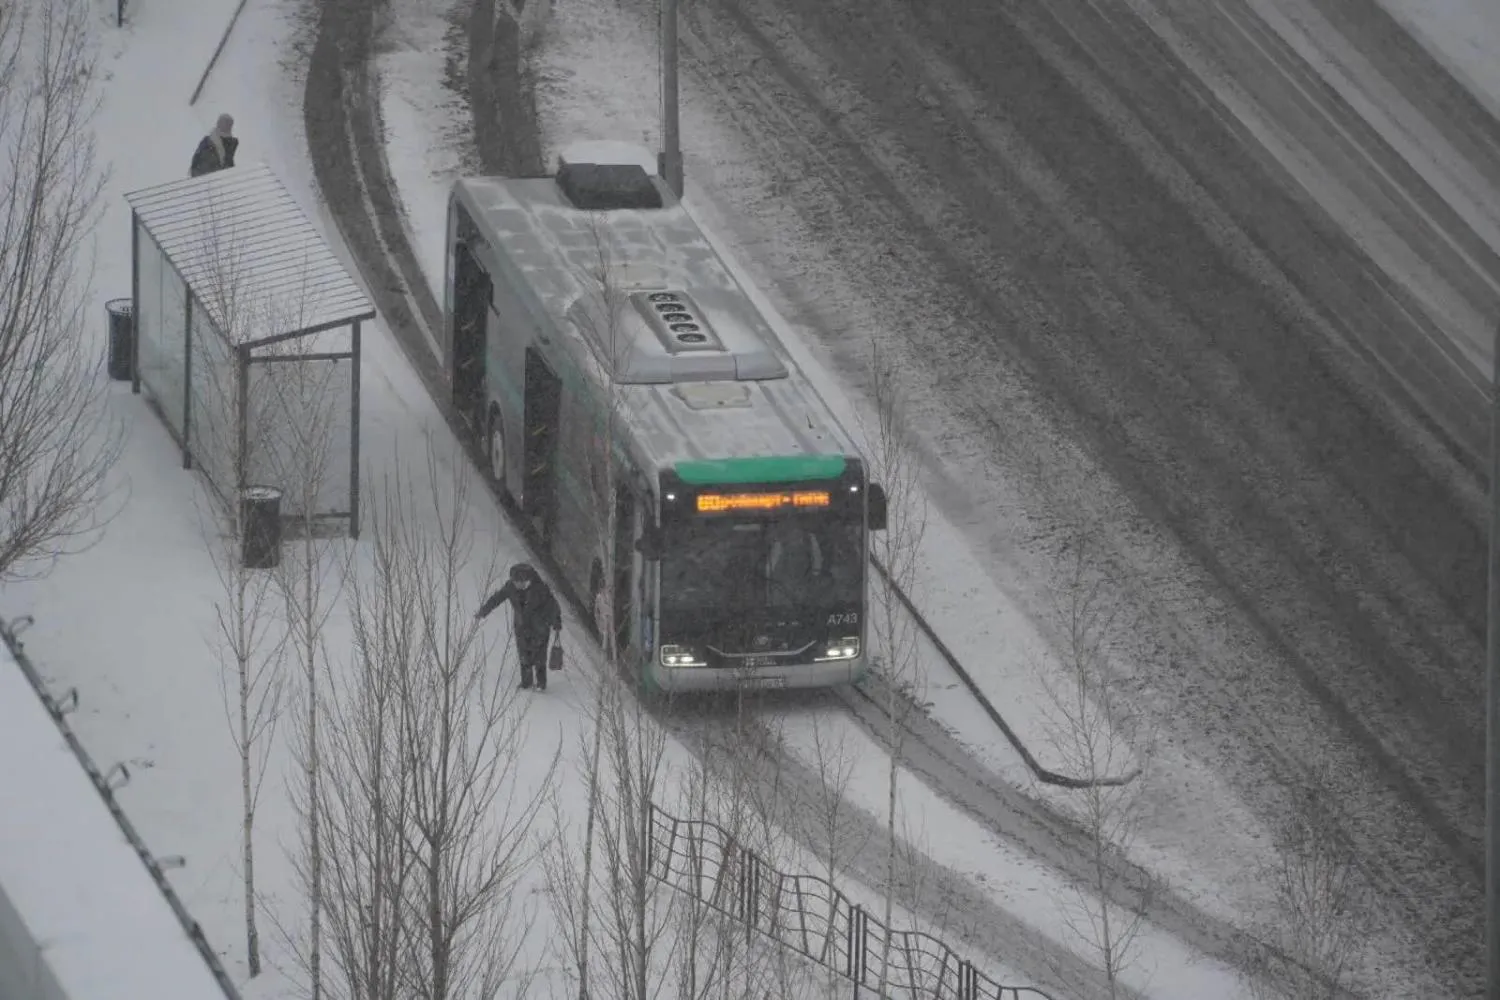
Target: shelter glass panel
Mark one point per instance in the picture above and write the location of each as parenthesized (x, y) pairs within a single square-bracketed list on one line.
[(299, 430), (159, 326), (215, 423)]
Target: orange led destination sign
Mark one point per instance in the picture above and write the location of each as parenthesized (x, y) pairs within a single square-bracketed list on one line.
[(717, 503)]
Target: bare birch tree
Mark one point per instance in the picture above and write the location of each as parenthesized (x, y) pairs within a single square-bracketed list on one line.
[(366, 805), (635, 926), (747, 794), (625, 938), (1322, 904), (430, 785), (1105, 744), (58, 442), (613, 927), (597, 315), (897, 549), (251, 634), (713, 920), (570, 883), (266, 415), (250, 641), (615, 930), (825, 820), (472, 759), (295, 403)]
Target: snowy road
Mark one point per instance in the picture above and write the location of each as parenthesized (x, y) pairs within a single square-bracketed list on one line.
[(1111, 299)]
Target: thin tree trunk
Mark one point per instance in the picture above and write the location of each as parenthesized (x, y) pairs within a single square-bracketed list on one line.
[(315, 851), (314, 829), (436, 952), (585, 932), (638, 895), (247, 793), (893, 775), (247, 776)]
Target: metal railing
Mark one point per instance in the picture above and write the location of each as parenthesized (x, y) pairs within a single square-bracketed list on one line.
[(811, 916)]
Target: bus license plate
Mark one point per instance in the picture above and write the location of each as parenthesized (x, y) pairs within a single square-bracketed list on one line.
[(758, 661)]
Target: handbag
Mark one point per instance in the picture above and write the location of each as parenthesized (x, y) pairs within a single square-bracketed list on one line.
[(554, 657)]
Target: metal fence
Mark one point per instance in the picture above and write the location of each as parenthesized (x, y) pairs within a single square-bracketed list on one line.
[(811, 916)]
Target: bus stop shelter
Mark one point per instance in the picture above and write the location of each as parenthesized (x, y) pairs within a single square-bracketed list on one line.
[(247, 341)]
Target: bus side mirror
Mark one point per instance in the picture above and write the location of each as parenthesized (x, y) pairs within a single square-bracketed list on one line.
[(877, 504), (649, 544)]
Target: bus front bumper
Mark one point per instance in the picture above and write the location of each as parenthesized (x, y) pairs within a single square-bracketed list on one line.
[(802, 675)]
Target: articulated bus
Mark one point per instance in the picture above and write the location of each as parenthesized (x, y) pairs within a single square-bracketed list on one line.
[(648, 427)]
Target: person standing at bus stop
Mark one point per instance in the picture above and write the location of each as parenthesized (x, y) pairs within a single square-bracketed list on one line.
[(216, 150), (536, 616)]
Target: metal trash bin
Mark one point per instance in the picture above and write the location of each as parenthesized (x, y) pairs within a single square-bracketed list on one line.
[(121, 337), (260, 527)]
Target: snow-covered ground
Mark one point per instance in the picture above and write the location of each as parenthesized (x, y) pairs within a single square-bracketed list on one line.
[(129, 623)]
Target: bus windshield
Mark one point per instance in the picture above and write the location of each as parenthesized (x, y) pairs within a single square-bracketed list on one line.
[(730, 567)]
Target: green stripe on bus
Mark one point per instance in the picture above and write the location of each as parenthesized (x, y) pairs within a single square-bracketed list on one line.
[(771, 469)]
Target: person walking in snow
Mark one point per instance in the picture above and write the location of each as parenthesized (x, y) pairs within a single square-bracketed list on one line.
[(216, 151), (536, 615)]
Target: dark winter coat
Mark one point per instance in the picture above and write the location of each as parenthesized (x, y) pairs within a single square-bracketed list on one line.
[(206, 157), (535, 610)]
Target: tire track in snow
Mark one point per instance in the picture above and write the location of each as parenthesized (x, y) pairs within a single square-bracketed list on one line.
[(1360, 168)]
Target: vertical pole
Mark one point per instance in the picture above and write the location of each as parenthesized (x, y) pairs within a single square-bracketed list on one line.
[(135, 303), (671, 154), (242, 421), (1492, 701), (187, 375), (354, 375)]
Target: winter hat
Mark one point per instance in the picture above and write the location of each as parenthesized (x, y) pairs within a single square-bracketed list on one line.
[(225, 125), (522, 573)]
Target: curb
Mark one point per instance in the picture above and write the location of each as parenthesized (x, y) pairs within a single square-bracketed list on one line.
[(1043, 774)]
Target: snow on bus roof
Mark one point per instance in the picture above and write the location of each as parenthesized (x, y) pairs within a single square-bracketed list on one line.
[(557, 247), (101, 926), (242, 243)]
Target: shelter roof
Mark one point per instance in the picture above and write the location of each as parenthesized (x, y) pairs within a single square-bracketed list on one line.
[(250, 255)]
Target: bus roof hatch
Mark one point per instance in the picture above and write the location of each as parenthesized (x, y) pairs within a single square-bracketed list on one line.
[(664, 336)]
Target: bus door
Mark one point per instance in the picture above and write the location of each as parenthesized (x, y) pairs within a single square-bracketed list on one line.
[(627, 569), (543, 410), (472, 289)]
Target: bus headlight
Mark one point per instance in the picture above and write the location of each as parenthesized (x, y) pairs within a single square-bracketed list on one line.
[(681, 656), (846, 648)]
